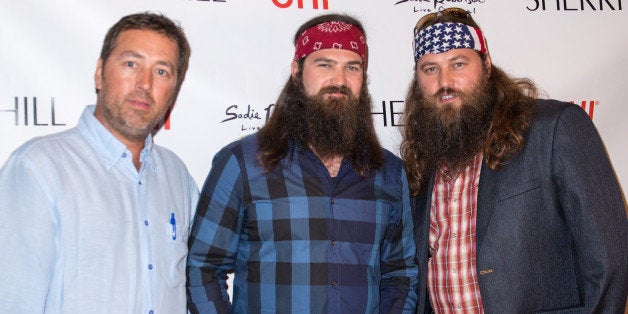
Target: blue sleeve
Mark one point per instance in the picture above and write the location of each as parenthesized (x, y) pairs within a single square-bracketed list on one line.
[(213, 242), (398, 290), (30, 238)]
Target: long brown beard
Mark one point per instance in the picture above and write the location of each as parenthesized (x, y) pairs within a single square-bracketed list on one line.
[(294, 123), (452, 136), (332, 122)]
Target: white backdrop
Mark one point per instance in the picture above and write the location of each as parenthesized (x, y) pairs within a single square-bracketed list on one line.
[(241, 53)]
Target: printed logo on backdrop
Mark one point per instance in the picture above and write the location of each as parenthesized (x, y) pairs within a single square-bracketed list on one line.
[(165, 122), (574, 5), (431, 6), (37, 112), (247, 118), (250, 118), (389, 112), (588, 106), (30, 112), (302, 4)]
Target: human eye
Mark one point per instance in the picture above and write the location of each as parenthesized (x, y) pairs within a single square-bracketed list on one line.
[(162, 72), (458, 64), (354, 68), (429, 69), (130, 63)]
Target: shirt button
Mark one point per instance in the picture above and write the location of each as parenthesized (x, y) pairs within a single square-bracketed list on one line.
[(332, 201), (150, 266), (150, 312), (146, 222), (454, 270), (333, 242), (334, 283), (454, 235), (123, 155), (454, 200)]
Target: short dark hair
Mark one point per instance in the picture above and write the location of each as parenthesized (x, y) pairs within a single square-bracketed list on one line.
[(153, 22)]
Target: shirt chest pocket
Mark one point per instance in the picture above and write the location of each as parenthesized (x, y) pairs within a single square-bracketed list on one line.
[(363, 222), (176, 250), (276, 220), (518, 189)]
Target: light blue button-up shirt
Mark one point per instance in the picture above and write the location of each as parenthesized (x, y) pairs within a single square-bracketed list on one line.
[(83, 231)]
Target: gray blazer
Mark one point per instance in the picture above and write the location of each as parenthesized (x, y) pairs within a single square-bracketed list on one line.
[(552, 231)]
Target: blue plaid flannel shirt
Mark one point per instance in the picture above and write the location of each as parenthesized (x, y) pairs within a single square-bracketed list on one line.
[(300, 241)]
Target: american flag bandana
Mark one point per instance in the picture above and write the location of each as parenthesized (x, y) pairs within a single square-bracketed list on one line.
[(442, 37)]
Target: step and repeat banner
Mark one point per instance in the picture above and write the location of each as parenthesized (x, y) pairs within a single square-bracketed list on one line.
[(242, 49)]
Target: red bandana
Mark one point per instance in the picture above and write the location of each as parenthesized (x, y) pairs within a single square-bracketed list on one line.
[(331, 35)]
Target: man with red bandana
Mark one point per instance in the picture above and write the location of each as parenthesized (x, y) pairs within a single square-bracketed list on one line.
[(311, 213), (517, 207)]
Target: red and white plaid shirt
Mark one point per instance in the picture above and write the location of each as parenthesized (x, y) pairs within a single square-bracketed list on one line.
[(452, 276)]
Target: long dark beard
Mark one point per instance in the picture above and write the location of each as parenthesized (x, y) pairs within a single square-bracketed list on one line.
[(333, 123), (331, 127), (452, 136)]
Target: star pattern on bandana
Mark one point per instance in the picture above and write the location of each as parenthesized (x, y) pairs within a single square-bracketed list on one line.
[(442, 37)]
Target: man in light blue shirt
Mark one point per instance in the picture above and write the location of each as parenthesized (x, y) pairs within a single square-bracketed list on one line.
[(95, 218)]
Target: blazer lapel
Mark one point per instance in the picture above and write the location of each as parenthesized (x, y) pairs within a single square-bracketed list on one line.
[(422, 231), (422, 216), (487, 198)]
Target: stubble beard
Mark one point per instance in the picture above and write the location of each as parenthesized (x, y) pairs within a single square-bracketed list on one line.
[(133, 125)]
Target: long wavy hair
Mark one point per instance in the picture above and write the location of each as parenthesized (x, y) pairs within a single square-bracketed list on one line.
[(288, 123), (512, 115)]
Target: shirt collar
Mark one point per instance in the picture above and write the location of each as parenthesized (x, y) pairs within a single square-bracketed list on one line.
[(108, 148)]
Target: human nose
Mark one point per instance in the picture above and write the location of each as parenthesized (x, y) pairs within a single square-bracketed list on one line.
[(338, 77), (445, 79), (144, 80)]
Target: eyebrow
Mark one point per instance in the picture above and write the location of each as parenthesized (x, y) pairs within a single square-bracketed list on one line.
[(323, 59), (131, 53), (453, 58), (355, 62), (458, 56)]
